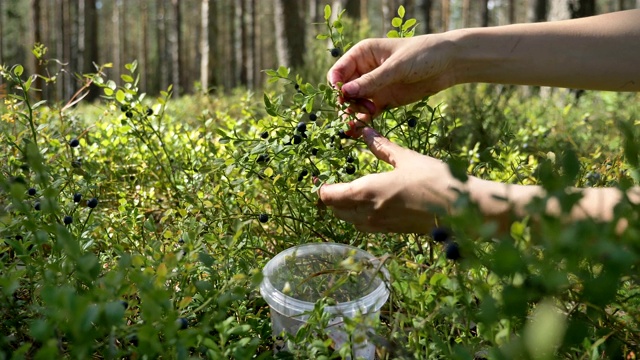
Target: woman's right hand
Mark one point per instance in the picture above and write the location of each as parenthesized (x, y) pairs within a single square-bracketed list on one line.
[(377, 74)]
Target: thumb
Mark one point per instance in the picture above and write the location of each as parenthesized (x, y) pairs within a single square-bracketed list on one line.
[(382, 147)]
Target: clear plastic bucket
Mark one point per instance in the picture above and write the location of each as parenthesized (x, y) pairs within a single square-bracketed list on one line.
[(295, 279)]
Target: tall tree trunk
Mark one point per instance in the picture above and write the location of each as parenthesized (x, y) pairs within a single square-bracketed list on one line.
[(465, 14), (512, 11), (214, 53), (582, 8), (445, 15), (143, 46), (89, 41), (66, 42), (204, 46), (426, 7), (290, 33), (251, 43), (115, 39), (537, 11), (485, 13), (240, 42), (176, 48), (163, 66), (35, 68)]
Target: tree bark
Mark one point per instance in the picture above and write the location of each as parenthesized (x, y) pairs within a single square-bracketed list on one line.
[(445, 15), (290, 33), (204, 46), (35, 68), (485, 13), (582, 8), (537, 11), (426, 8), (176, 48)]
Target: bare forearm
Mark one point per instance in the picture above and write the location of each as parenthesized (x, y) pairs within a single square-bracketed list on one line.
[(600, 53), (504, 202)]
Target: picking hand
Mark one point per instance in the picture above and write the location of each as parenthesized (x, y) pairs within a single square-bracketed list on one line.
[(379, 73), (401, 200)]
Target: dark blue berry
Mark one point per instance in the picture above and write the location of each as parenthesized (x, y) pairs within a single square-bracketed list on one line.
[(263, 218), (313, 117), (37, 206), (302, 174), (335, 52), (149, 112), (129, 114), (301, 127), (32, 191), (124, 108), (182, 323), (350, 159), (440, 234), (452, 250), (92, 203), (350, 169), (74, 143), (412, 122), (19, 237), (68, 220), (77, 197), (314, 151), (264, 135), (262, 158), (296, 139), (342, 134)]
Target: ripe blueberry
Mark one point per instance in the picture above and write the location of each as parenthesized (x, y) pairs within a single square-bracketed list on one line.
[(124, 108), (452, 250), (149, 112), (77, 197), (296, 139), (314, 151), (74, 143), (302, 174), (313, 117), (32, 191), (129, 114), (263, 218), (264, 135), (342, 134), (262, 158), (182, 323), (335, 52), (350, 159), (68, 220), (19, 237), (302, 127), (412, 122), (92, 203), (296, 86), (350, 169), (37, 205), (440, 234)]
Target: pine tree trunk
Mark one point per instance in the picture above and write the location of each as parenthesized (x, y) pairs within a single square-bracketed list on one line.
[(176, 48), (537, 11), (426, 8), (204, 45), (290, 33)]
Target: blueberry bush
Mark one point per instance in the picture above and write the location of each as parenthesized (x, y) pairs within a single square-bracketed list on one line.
[(137, 227)]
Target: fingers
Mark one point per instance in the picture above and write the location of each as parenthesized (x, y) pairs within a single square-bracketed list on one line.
[(382, 147), (342, 195)]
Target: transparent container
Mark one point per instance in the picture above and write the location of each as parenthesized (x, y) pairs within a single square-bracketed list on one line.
[(295, 279)]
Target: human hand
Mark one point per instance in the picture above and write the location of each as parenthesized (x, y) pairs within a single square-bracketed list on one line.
[(380, 73), (400, 201)]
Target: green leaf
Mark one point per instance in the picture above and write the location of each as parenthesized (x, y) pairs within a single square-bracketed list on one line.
[(283, 72), (108, 91), (126, 78), (401, 11), (396, 22), (408, 24), (327, 12), (18, 70), (120, 96), (322, 36), (393, 34)]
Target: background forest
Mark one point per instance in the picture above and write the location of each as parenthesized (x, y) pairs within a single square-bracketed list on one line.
[(208, 44)]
